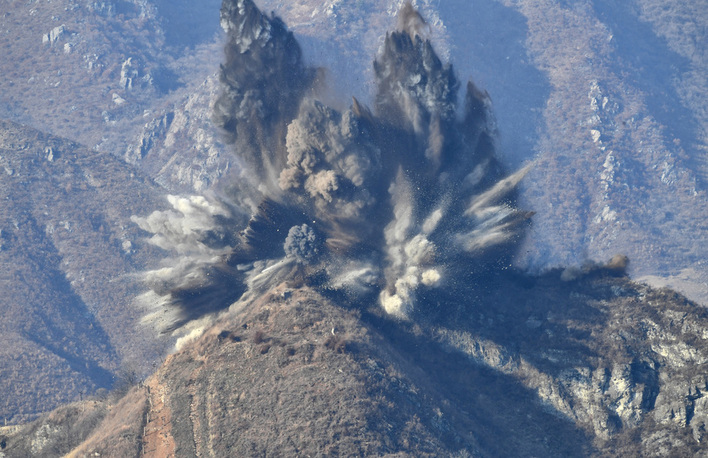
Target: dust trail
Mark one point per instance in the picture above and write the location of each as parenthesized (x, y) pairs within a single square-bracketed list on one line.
[(385, 203)]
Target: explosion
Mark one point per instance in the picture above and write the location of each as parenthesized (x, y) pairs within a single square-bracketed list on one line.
[(386, 204)]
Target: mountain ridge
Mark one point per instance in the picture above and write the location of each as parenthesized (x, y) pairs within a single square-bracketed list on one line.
[(613, 174), (296, 372)]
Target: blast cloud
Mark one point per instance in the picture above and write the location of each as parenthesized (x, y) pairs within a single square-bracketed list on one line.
[(301, 244), (387, 204)]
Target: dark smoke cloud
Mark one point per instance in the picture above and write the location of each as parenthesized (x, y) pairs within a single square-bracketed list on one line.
[(389, 203), (263, 81), (410, 21), (302, 244)]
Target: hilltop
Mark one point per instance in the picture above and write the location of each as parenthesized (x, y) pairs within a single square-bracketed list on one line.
[(592, 366)]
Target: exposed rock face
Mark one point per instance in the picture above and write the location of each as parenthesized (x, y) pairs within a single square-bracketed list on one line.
[(180, 147), (154, 129), (628, 366), (128, 73), (54, 35), (529, 367)]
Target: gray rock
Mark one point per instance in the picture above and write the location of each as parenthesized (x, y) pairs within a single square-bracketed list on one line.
[(54, 35), (118, 100), (128, 73), (154, 131)]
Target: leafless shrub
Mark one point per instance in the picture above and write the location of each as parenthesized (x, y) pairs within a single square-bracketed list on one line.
[(336, 343), (258, 337)]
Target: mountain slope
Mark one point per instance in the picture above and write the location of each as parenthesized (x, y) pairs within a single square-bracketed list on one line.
[(607, 98), (95, 73), (594, 365), (66, 247)]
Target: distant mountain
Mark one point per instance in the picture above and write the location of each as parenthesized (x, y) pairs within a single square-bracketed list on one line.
[(67, 250), (593, 365), (607, 100)]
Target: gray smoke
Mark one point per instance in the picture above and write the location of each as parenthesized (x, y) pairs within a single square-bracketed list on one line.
[(390, 204), (301, 244), (263, 82)]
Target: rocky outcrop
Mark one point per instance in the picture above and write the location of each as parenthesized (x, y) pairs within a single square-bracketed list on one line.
[(620, 359), (154, 131), (54, 35), (128, 72), (181, 148)]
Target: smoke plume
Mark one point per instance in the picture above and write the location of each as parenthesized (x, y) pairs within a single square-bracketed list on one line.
[(384, 204)]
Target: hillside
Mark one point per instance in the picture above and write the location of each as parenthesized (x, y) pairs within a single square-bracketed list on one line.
[(108, 107), (67, 248), (595, 366), (96, 73), (376, 307)]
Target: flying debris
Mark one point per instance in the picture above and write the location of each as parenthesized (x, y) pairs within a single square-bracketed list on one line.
[(383, 204)]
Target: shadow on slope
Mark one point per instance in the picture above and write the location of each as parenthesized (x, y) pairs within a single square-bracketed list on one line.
[(528, 316), (39, 306), (504, 416), (65, 237)]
